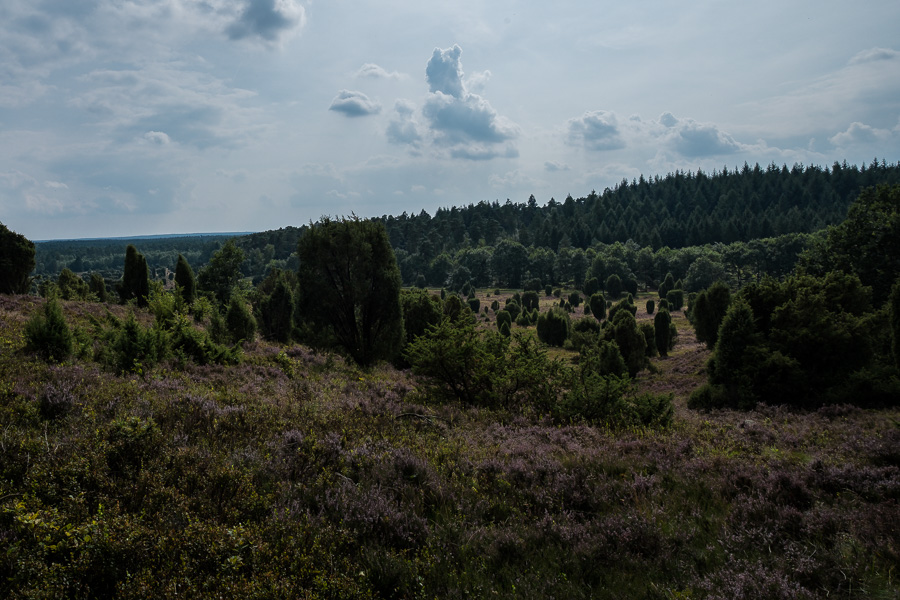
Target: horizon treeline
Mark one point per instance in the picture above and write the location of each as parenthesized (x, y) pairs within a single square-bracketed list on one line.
[(489, 243)]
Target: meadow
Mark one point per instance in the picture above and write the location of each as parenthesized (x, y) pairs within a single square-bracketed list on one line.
[(297, 474)]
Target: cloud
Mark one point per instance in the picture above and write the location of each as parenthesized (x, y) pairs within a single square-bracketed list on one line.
[(552, 166), (859, 133), (354, 104), (694, 139), (157, 137), (444, 72), (596, 130), (403, 128), (376, 72), (874, 54), (667, 119), (269, 20)]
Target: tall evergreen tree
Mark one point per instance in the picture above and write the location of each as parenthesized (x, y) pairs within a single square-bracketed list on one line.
[(135, 282), (222, 273), (350, 287), (184, 278), (661, 323), (16, 261)]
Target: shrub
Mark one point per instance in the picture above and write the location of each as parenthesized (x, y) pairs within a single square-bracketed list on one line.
[(591, 287), (575, 299), (630, 341), (707, 312), (548, 290), (530, 301), (532, 285), (474, 304), (667, 284), (675, 299), (513, 308), (651, 306), (614, 286), (504, 316), (621, 305), (649, 333), (48, 334), (239, 320), (553, 327), (630, 285), (598, 306), (661, 323)]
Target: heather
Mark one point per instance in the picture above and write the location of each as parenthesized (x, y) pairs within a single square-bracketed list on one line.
[(296, 473)]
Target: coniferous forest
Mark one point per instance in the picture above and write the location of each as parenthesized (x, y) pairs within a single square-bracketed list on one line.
[(683, 387)]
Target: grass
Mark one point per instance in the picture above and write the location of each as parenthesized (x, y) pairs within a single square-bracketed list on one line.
[(296, 474)]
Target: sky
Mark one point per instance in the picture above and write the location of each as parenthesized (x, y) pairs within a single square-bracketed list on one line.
[(142, 117)]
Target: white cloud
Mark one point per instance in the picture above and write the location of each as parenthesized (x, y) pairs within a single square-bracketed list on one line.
[(860, 133), (377, 72), (354, 104), (444, 72), (157, 137), (693, 139), (875, 54)]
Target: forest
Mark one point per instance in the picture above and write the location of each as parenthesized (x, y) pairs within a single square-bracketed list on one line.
[(684, 387)]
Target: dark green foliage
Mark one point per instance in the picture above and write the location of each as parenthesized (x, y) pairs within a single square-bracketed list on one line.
[(866, 243), (495, 305), (490, 370), (505, 329), (548, 290), (275, 310), (575, 299), (805, 341), (591, 286), (184, 278), (97, 286), (239, 320), (350, 287), (48, 334), (513, 308), (651, 306), (530, 300), (622, 305), (421, 310), (602, 393), (630, 286), (454, 307), (598, 306), (895, 322), (667, 284), (474, 304), (647, 329), (504, 316), (532, 285), (72, 287), (16, 262), (663, 304), (661, 323), (707, 313), (630, 341), (675, 299), (190, 343), (553, 326), (135, 284), (524, 319), (222, 274), (130, 347), (613, 286), (587, 309)]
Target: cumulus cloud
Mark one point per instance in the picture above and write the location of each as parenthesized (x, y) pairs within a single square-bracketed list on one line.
[(875, 54), (354, 104), (667, 119), (444, 72), (403, 128), (596, 130), (694, 139), (859, 133), (268, 20), (157, 137), (377, 72), (460, 120)]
